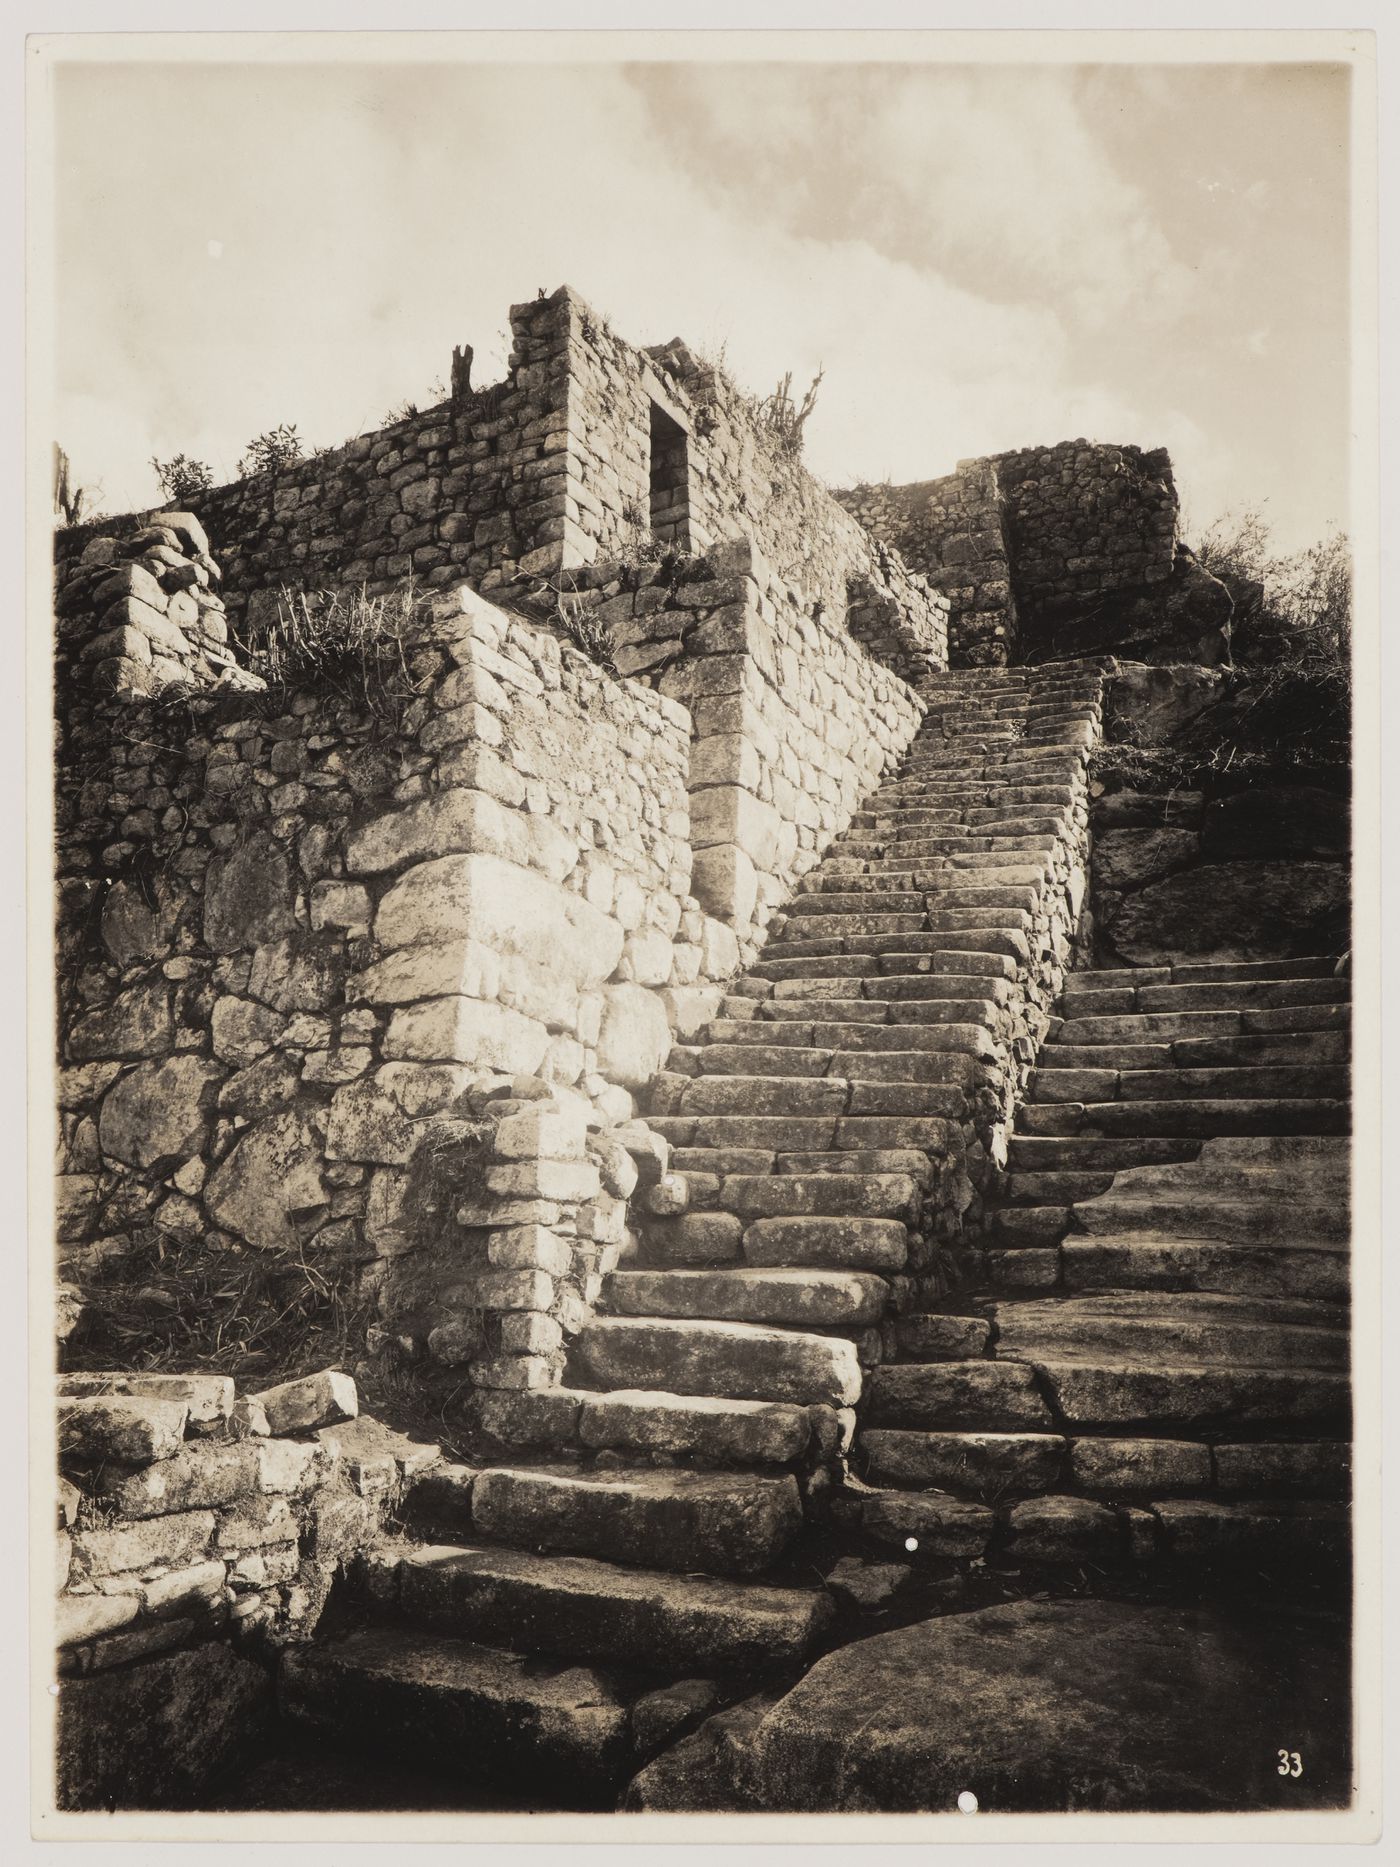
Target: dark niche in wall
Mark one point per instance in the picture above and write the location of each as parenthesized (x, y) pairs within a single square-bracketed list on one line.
[(670, 481)]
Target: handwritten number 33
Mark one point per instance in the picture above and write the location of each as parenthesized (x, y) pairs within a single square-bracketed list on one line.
[(1290, 1763)]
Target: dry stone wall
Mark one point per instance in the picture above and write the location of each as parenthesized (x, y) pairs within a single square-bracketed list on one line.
[(330, 957), (1030, 547), (199, 1532), (793, 722), (588, 450)]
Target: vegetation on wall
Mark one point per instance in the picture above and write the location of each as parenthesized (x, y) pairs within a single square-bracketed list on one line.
[(182, 477), (344, 641), (275, 447)]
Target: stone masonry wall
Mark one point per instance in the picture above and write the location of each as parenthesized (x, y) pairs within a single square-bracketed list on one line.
[(305, 943), (793, 722), (1018, 541), (377, 982), (198, 1533), (590, 449)]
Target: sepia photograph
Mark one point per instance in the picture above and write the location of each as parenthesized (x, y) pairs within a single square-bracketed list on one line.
[(695, 917)]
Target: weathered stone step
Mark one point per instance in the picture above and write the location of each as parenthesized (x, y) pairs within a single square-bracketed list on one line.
[(825, 1003), (1237, 1051), (711, 1430), (822, 1195), (860, 846), (989, 1396), (809, 1134), (1225, 1167), (955, 961), (847, 1244), (1169, 1027), (1288, 1467), (723, 1523), (923, 1063), (495, 1720), (799, 1298), (1304, 1267), (733, 1360), (1323, 1081), (1055, 1188), (751, 1160), (1153, 1329), (1055, 1153), (1259, 995), (1198, 972), (1242, 1116), (967, 1039), (981, 1462), (1197, 1212), (1202, 1398), (1009, 942), (1272, 1531), (937, 1336), (589, 1610)]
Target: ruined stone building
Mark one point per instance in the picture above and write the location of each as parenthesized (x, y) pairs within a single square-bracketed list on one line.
[(698, 996)]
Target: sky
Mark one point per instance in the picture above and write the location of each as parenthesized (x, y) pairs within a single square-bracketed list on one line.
[(979, 257)]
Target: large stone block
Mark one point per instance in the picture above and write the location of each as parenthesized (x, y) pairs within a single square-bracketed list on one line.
[(1234, 910), (159, 1112), (467, 1030), (501, 905), (726, 814), (248, 896), (154, 1735), (724, 883), (137, 1023), (633, 1037), (272, 1174)]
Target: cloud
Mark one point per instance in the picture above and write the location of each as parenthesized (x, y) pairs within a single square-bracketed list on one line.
[(956, 247)]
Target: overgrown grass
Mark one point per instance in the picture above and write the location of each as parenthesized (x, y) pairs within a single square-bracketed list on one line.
[(343, 641), (183, 1304)]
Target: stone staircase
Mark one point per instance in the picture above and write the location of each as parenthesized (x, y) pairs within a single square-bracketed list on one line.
[(710, 1403), (1112, 1379), (1154, 1362)]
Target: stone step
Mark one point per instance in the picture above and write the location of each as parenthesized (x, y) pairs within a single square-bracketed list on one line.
[(798, 1298), (1239, 1050), (721, 1523), (813, 1134), (1259, 1083), (730, 1360), (822, 1002), (822, 1195), (1006, 942), (1055, 1188), (1277, 1533), (939, 1336), (691, 1161), (1169, 1027), (708, 1430), (1219, 1169), (1151, 1329), (1055, 1153), (843, 1244), (925, 1063), (589, 1610), (968, 1039), (496, 1721), (988, 1464), (1303, 1268), (1196, 1212), (1297, 1467), (1171, 1397), (1242, 1116), (989, 1396), (1197, 972)]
